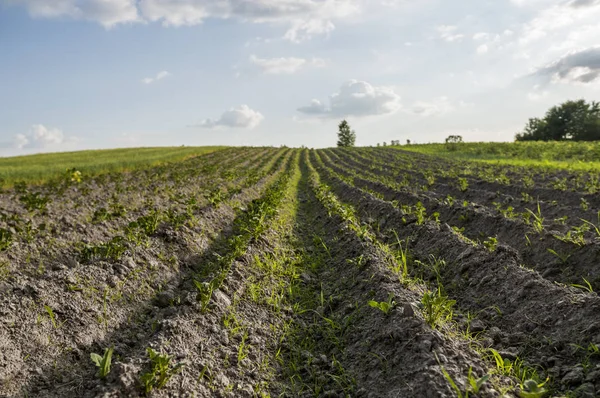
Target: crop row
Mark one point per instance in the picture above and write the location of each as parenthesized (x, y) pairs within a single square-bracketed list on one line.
[(549, 329)]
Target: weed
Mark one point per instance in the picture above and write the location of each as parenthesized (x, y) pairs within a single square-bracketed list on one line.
[(103, 362)]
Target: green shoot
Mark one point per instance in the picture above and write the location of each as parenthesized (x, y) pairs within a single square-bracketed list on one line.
[(437, 308), (161, 371), (587, 286), (103, 362), (384, 306)]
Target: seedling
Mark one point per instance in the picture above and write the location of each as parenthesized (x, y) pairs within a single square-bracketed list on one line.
[(538, 220), (52, 316), (463, 184), (587, 286), (35, 201), (400, 266), (563, 257), (205, 290), (437, 308), (103, 362), (384, 306), (532, 389), (5, 239), (160, 372), (584, 204), (491, 243)]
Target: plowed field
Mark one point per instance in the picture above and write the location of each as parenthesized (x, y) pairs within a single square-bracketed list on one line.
[(264, 272)]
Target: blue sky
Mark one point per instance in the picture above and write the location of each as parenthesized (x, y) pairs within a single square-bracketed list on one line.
[(112, 73)]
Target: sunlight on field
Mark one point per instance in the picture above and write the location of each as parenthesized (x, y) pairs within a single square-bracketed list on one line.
[(39, 168), (562, 155)]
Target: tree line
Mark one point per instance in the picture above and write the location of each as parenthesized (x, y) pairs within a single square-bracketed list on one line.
[(570, 121)]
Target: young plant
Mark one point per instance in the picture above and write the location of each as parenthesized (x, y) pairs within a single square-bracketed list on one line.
[(5, 239), (400, 266), (563, 257), (52, 316), (532, 389), (437, 308), (587, 286), (205, 290), (538, 220), (103, 362), (463, 184), (161, 371), (491, 243), (384, 306)]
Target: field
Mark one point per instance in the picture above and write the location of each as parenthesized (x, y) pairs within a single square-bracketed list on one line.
[(40, 168), (277, 272), (582, 155)]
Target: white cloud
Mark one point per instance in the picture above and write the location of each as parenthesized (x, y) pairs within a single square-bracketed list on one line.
[(276, 66), (438, 106), (106, 12), (40, 136), (305, 30), (159, 76), (482, 49), (305, 18), (481, 36), (240, 117), (356, 98), (448, 33)]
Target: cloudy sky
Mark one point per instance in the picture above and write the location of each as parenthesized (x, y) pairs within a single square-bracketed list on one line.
[(112, 73)]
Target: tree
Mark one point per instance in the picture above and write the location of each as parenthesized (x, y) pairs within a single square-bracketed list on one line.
[(452, 142), (346, 136), (571, 120)]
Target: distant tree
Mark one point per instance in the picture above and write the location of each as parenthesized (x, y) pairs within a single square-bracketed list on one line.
[(384, 143), (346, 136), (571, 120), (453, 141), (407, 142), (378, 144)]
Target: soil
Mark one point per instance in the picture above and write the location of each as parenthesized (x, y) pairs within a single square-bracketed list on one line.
[(312, 242)]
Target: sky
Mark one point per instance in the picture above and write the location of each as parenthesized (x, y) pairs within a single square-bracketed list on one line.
[(82, 74)]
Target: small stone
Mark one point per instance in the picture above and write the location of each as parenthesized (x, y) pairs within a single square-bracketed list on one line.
[(408, 310), (573, 377), (221, 298), (476, 326), (425, 345), (221, 379)]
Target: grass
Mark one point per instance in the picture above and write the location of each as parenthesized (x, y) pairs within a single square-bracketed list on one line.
[(40, 168), (583, 156)]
